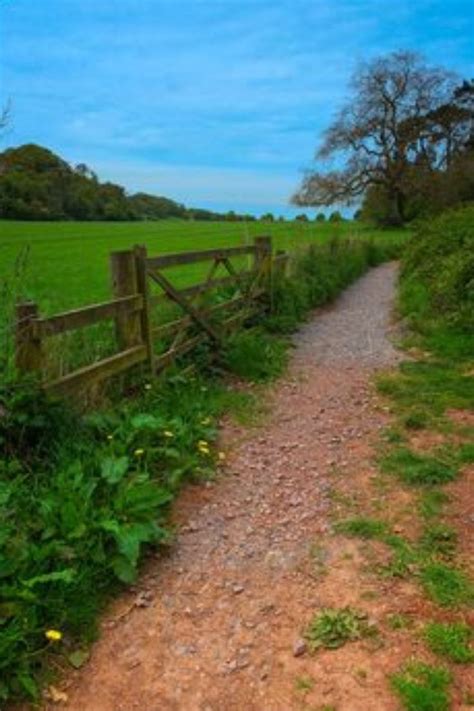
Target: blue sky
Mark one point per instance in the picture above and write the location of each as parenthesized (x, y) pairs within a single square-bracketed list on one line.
[(216, 103)]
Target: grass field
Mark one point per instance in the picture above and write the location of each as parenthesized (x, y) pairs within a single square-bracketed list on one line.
[(67, 262)]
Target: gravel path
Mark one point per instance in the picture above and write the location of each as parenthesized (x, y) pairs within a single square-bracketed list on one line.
[(216, 625), (354, 329)]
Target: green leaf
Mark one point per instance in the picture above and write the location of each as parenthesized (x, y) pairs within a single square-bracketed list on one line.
[(78, 658), (123, 569), (28, 684), (145, 421), (58, 576), (131, 536), (114, 468)]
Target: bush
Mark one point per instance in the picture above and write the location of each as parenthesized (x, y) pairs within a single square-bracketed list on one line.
[(438, 272)]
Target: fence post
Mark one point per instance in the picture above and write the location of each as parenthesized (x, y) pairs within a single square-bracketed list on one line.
[(263, 255), (28, 345), (281, 264), (140, 255), (124, 283)]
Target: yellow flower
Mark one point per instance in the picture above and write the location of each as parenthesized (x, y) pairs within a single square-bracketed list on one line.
[(139, 452), (203, 446), (53, 635), (221, 456), (206, 421), (168, 433)]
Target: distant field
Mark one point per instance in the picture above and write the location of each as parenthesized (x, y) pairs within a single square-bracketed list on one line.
[(67, 264)]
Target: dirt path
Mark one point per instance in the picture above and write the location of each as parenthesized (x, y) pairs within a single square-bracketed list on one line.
[(219, 619)]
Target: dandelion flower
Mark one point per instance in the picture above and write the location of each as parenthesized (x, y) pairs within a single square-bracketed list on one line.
[(203, 446), (168, 433), (53, 635), (139, 452)]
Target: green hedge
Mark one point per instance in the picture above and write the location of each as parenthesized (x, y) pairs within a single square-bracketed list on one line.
[(437, 280), (319, 274)]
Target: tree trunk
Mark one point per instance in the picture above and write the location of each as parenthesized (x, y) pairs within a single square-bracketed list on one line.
[(395, 217)]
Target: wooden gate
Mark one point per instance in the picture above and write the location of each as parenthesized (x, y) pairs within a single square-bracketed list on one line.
[(209, 309), (156, 317)]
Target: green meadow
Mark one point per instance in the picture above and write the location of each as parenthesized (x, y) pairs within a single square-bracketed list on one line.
[(66, 263)]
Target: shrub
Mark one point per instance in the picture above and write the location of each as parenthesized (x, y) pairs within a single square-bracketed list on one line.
[(319, 274), (438, 271)]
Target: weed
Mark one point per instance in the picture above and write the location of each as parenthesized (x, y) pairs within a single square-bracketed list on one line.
[(450, 640), (446, 585), (332, 628), (366, 528), (422, 687)]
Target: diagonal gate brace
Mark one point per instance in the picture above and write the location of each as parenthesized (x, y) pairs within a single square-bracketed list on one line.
[(169, 289)]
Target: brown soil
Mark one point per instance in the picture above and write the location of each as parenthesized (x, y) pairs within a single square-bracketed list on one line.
[(215, 626)]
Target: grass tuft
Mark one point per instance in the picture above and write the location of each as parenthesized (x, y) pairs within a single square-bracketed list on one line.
[(446, 585), (451, 640), (416, 469), (422, 687), (439, 539)]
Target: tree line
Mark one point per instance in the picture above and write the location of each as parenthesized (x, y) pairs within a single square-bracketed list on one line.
[(36, 184), (402, 146)]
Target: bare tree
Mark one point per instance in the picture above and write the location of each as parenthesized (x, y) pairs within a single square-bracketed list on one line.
[(5, 116), (386, 127)]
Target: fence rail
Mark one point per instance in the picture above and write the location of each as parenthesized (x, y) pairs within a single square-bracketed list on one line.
[(136, 307)]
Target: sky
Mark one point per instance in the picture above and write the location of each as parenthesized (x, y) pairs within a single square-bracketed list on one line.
[(214, 103)]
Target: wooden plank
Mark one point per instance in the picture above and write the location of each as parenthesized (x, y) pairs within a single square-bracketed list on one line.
[(143, 288), (185, 305), (240, 316), (95, 373), (167, 329), (167, 358), (87, 315), (204, 286), (171, 260)]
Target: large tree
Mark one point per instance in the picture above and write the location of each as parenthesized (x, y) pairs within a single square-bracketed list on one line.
[(400, 115)]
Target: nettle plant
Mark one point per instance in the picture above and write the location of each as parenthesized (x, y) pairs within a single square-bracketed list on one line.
[(80, 499)]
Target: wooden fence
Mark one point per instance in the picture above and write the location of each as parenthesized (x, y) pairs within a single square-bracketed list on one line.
[(141, 287)]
